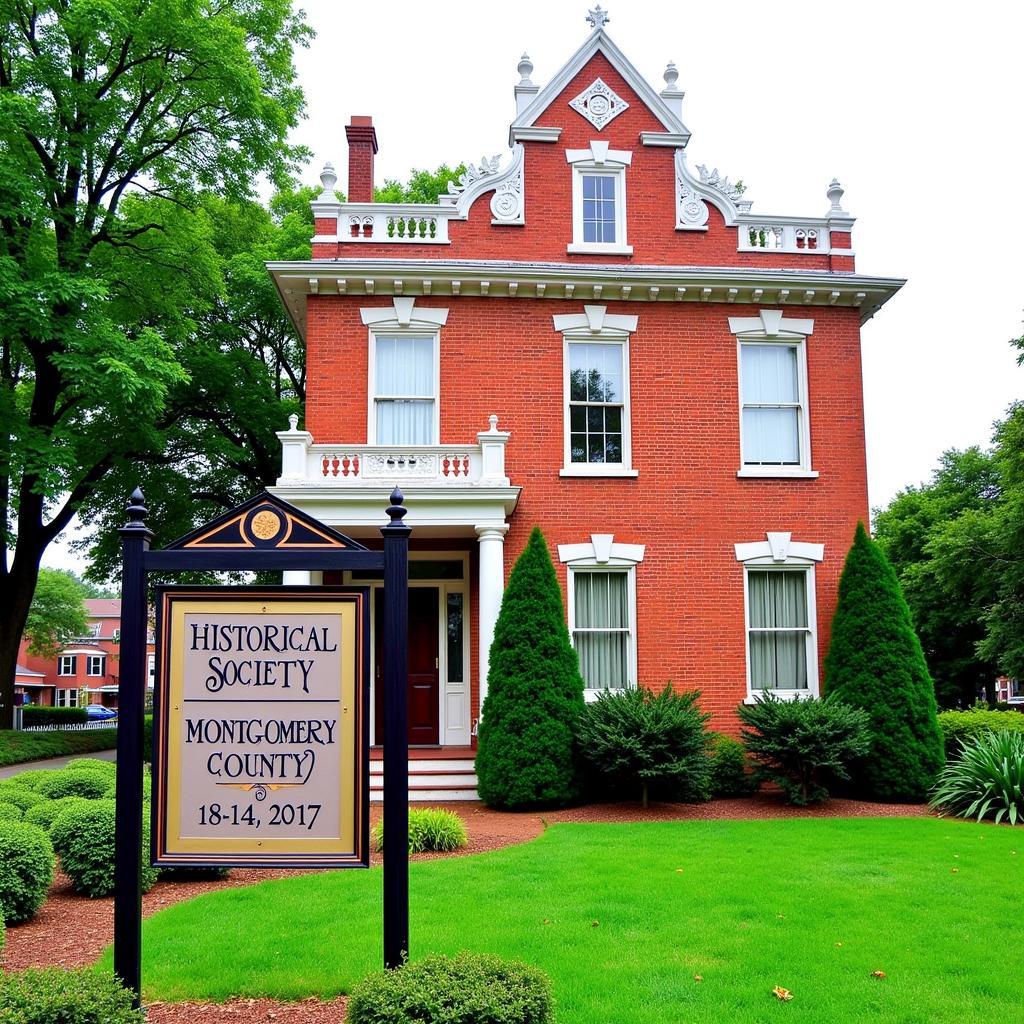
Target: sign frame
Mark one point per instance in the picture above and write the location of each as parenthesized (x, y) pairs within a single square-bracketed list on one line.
[(166, 596)]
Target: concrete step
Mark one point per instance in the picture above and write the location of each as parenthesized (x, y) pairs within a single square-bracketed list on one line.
[(431, 780), (422, 764)]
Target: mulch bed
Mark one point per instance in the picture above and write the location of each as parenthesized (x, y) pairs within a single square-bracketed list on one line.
[(72, 930)]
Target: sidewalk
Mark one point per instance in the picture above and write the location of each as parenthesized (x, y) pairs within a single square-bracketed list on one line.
[(55, 762)]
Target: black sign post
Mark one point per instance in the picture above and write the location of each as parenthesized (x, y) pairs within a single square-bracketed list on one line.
[(263, 533)]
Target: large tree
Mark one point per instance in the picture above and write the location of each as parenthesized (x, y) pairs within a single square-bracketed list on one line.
[(57, 614), (105, 103)]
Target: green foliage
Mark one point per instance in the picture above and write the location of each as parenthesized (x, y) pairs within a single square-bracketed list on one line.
[(431, 829), (57, 614), (731, 771), (46, 813), (875, 662), (12, 792), (92, 764), (422, 186), (84, 839), (639, 739), (33, 777), (19, 747), (11, 812), (525, 756), (470, 988), (35, 715), (959, 726), (147, 739), (58, 996), (802, 745), (26, 869), (87, 782), (986, 781)]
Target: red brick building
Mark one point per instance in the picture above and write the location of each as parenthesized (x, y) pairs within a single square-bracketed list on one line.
[(592, 336), (86, 670)]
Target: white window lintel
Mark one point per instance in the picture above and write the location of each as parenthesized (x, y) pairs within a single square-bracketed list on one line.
[(780, 549), (602, 550), (404, 313), (596, 320), (771, 323), (600, 155)]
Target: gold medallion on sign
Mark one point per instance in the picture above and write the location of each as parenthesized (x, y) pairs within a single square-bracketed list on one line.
[(265, 524)]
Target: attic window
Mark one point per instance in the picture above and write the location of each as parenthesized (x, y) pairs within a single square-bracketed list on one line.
[(599, 199)]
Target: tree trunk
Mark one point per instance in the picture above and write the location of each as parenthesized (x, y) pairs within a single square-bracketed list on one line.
[(645, 795), (15, 601)]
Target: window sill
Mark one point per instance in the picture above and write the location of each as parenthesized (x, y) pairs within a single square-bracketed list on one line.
[(776, 472), (788, 695), (590, 696), (605, 249), (598, 470)]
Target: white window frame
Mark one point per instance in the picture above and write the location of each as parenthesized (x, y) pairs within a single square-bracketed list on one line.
[(779, 553), (402, 319), (68, 697), (770, 327), (605, 162), (64, 662), (596, 327), (602, 554), (100, 659)]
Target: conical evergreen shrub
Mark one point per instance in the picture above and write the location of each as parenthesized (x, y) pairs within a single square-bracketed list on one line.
[(526, 745), (875, 662)]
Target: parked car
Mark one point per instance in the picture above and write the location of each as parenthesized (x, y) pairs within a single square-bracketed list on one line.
[(98, 713)]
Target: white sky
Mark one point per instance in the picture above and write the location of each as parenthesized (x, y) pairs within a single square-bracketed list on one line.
[(915, 107)]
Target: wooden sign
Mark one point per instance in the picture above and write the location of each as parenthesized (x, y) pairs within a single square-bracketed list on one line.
[(261, 745)]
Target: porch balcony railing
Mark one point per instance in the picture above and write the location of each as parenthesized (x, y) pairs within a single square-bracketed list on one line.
[(361, 465)]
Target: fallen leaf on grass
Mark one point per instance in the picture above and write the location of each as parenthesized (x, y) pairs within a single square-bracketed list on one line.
[(838, 944), (956, 871), (679, 871), (878, 974), (782, 993), (594, 924), (546, 921), (698, 977)]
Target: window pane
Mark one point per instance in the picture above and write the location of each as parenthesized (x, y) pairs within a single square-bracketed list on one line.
[(603, 660), (595, 419), (601, 600), (405, 366), (777, 600), (613, 448), (778, 661), (577, 417), (598, 208), (402, 422), (455, 641), (613, 419), (771, 437), (770, 374), (578, 447)]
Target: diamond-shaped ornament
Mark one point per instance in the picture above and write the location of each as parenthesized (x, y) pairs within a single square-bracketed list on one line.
[(598, 104)]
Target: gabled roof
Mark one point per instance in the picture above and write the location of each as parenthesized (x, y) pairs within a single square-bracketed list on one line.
[(599, 42)]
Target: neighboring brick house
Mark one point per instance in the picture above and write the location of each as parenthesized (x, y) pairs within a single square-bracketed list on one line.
[(86, 669), (593, 338)]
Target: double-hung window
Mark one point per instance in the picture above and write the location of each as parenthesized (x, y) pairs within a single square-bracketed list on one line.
[(599, 199), (599, 213), (774, 420), (405, 390), (67, 665), (596, 402), (94, 664), (67, 698)]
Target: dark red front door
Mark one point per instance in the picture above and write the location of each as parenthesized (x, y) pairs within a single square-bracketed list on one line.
[(424, 690)]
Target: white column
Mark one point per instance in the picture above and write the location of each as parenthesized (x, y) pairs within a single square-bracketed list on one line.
[(295, 577), (492, 586)]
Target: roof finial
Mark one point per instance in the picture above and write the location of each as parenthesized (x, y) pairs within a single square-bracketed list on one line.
[(671, 75), (835, 195), (525, 69), (598, 17), (328, 179)]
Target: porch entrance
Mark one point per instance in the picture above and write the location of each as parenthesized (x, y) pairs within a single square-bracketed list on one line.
[(424, 690)]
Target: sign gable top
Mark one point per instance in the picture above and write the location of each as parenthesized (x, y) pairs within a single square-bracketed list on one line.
[(599, 42), (265, 522)]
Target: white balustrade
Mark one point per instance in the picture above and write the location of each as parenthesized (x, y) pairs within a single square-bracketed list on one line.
[(778, 236), (399, 222)]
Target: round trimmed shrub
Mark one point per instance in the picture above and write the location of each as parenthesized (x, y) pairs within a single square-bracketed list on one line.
[(12, 793), (84, 839), (11, 812), (85, 782), (470, 988), (431, 830), (731, 771), (57, 996), (26, 869), (46, 813), (33, 778), (108, 768)]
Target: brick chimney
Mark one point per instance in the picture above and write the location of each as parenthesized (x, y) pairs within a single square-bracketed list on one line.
[(362, 144)]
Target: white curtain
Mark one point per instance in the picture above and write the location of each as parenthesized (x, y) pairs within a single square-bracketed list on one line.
[(405, 390), (778, 630), (770, 376), (602, 628)]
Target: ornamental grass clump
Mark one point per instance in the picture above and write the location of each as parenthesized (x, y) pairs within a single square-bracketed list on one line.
[(526, 754), (470, 988), (801, 745), (26, 870), (986, 780), (639, 739), (431, 830), (58, 996)]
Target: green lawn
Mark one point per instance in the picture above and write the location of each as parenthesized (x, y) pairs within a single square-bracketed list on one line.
[(623, 916)]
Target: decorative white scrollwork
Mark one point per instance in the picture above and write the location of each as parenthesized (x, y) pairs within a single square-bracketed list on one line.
[(724, 185), (599, 104), (691, 210), (507, 201), (507, 183)]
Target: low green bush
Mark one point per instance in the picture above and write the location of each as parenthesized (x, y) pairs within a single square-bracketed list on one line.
[(57, 996), (431, 829), (26, 870), (803, 744), (11, 812), (147, 739), (33, 778), (960, 726), (469, 988), (986, 780), (192, 874), (638, 739), (84, 839), (11, 792), (47, 812), (19, 747), (87, 782), (95, 764), (34, 715), (731, 771)]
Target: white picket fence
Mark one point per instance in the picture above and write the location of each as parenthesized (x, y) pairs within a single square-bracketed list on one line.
[(107, 723)]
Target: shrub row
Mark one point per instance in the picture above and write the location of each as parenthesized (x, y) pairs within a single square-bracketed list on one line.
[(57, 996), (18, 747), (959, 726), (33, 715)]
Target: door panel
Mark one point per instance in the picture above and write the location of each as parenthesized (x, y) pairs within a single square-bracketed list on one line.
[(424, 677)]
